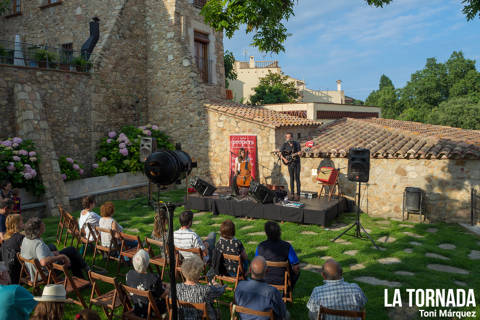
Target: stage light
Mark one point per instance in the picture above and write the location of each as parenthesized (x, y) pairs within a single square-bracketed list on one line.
[(166, 167)]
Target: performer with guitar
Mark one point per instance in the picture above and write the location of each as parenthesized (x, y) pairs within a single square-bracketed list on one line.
[(289, 153)]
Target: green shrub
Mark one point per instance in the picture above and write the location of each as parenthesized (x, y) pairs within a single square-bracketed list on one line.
[(70, 169), (45, 55)]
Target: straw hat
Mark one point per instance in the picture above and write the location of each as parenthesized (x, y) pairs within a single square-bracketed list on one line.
[(53, 293)]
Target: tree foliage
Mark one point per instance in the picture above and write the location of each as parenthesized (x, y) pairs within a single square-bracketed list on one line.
[(4, 5), (266, 18), (228, 61), (434, 94), (274, 88)]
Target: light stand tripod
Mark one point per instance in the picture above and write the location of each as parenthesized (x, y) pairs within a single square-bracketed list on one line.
[(358, 226)]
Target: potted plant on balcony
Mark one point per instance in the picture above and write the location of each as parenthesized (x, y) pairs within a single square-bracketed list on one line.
[(45, 58), (81, 64)]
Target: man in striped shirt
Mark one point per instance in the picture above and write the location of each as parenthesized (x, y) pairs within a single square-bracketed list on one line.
[(186, 238)]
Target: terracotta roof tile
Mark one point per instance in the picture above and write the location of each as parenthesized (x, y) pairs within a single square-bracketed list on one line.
[(261, 115), (388, 138)]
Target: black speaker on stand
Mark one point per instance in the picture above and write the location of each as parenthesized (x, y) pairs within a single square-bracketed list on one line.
[(358, 171)]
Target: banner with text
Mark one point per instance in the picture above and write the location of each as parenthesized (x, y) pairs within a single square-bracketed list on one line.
[(249, 143)]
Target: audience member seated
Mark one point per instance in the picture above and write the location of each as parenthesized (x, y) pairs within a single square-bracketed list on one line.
[(159, 232), (277, 250), (186, 238), (4, 205), (33, 247), (16, 303), (194, 292), (11, 246), (257, 295), (51, 304), (88, 216), (107, 211), (87, 314), (228, 244), (142, 280), (335, 293)]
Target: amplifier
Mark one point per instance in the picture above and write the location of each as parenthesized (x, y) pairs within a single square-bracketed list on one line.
[(309, 194)]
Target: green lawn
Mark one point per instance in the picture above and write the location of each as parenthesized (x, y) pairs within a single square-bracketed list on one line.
[(137, 218)]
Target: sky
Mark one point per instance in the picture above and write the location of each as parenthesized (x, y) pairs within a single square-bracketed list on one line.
[(350, 41)]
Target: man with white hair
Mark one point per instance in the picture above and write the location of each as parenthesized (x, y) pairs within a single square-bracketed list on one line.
[(143, 280)]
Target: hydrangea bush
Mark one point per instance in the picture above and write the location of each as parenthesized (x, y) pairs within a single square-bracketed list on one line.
[(120, 151), (19, 165), (70, 169)]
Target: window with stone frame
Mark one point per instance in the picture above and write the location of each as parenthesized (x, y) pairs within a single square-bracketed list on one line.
[(67, 53), (201, 42), (16, 7)]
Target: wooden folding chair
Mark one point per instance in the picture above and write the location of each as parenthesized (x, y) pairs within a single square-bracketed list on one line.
[(179, 259), (344, 313), (40, 278), (71, 283), (159, 261), (61, 224), (286, 288), (239, 309), (202, 307), (328, 177), (108, 301), (72, 229), (112, 251), (152, 310), (239, 274), (83, 238), (125, 251)]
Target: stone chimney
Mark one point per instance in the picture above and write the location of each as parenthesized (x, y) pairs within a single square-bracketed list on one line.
[(251, 64), (339, 85)]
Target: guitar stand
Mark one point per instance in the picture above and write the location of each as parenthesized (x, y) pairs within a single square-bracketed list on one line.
[(358, 226)]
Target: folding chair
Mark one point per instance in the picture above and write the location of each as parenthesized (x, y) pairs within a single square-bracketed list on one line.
[(286, 288), (108, 301), (202, 307), (61, 224), (344, 313), (111, 251), (152, 310), (238, 309), (71, 283), (328, 176), (125, 251), (179, 260), (40, 278), (239, 274), (83, 237), (158, 261), (72, 229)]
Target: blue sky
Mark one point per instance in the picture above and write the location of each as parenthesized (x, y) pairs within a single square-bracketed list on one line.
[(356, 43)]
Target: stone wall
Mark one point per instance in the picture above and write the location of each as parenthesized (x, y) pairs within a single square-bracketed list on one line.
[(447, 185)]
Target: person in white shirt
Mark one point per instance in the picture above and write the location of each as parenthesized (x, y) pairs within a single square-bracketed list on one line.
[(88, 216), (186, 238)]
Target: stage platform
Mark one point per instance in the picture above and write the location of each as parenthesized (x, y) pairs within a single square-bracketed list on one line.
[(317, 211)]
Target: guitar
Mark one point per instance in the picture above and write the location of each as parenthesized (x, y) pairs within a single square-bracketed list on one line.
[(244, 178), (289, 157)]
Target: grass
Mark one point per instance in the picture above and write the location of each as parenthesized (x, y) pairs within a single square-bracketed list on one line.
[(135, 216)]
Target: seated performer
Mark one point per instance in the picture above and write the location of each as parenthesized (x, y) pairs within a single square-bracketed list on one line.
[(242, 170)]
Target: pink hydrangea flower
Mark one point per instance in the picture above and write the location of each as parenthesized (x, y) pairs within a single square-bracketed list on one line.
[(112, 134), (104, 159), (16, 158), (124, 152), (70, 160), (81, 171), (142, 127), (23, 152), (14, 145), (7, 143), (122, 146), (33, 159), (33, 172), (27, 166), (154, 127), (64, 176), (95, 165), (109, 140), (76, 166), (11, 166), (17, 140), (147, 132), (27, 175), (32, 153)]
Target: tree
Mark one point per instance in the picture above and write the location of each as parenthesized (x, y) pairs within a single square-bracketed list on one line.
[(461, 112), (385, 97), (266, 18), (228, 61), (274, 88), (4, 5)]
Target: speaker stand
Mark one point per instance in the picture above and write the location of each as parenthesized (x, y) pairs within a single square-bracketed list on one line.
[(357, 225)]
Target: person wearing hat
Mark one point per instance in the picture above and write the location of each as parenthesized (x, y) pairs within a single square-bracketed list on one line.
[(51, 303)]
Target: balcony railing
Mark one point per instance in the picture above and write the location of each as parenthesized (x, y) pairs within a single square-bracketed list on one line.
[(40, 56), (199, 3), (266, 64), (206, 69)]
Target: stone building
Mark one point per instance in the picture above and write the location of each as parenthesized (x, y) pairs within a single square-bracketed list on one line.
[(155, 62), (443, 161)]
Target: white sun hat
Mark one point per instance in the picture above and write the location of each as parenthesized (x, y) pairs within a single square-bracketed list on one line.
[(53, 293)]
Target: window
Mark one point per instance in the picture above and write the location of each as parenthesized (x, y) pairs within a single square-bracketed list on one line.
[(201, 54), (17, 6), (199, 3), (67, 53), (299, 135), (52, 1)]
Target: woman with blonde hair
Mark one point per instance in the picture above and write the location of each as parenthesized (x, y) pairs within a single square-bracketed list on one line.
[(11, 245)]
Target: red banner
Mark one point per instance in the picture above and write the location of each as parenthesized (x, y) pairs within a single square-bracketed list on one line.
[(249, 143)]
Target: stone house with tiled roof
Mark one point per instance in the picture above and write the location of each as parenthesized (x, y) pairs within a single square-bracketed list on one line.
[(443, 161)]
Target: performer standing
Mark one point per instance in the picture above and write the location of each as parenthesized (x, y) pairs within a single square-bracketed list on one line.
[(292, 148)]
